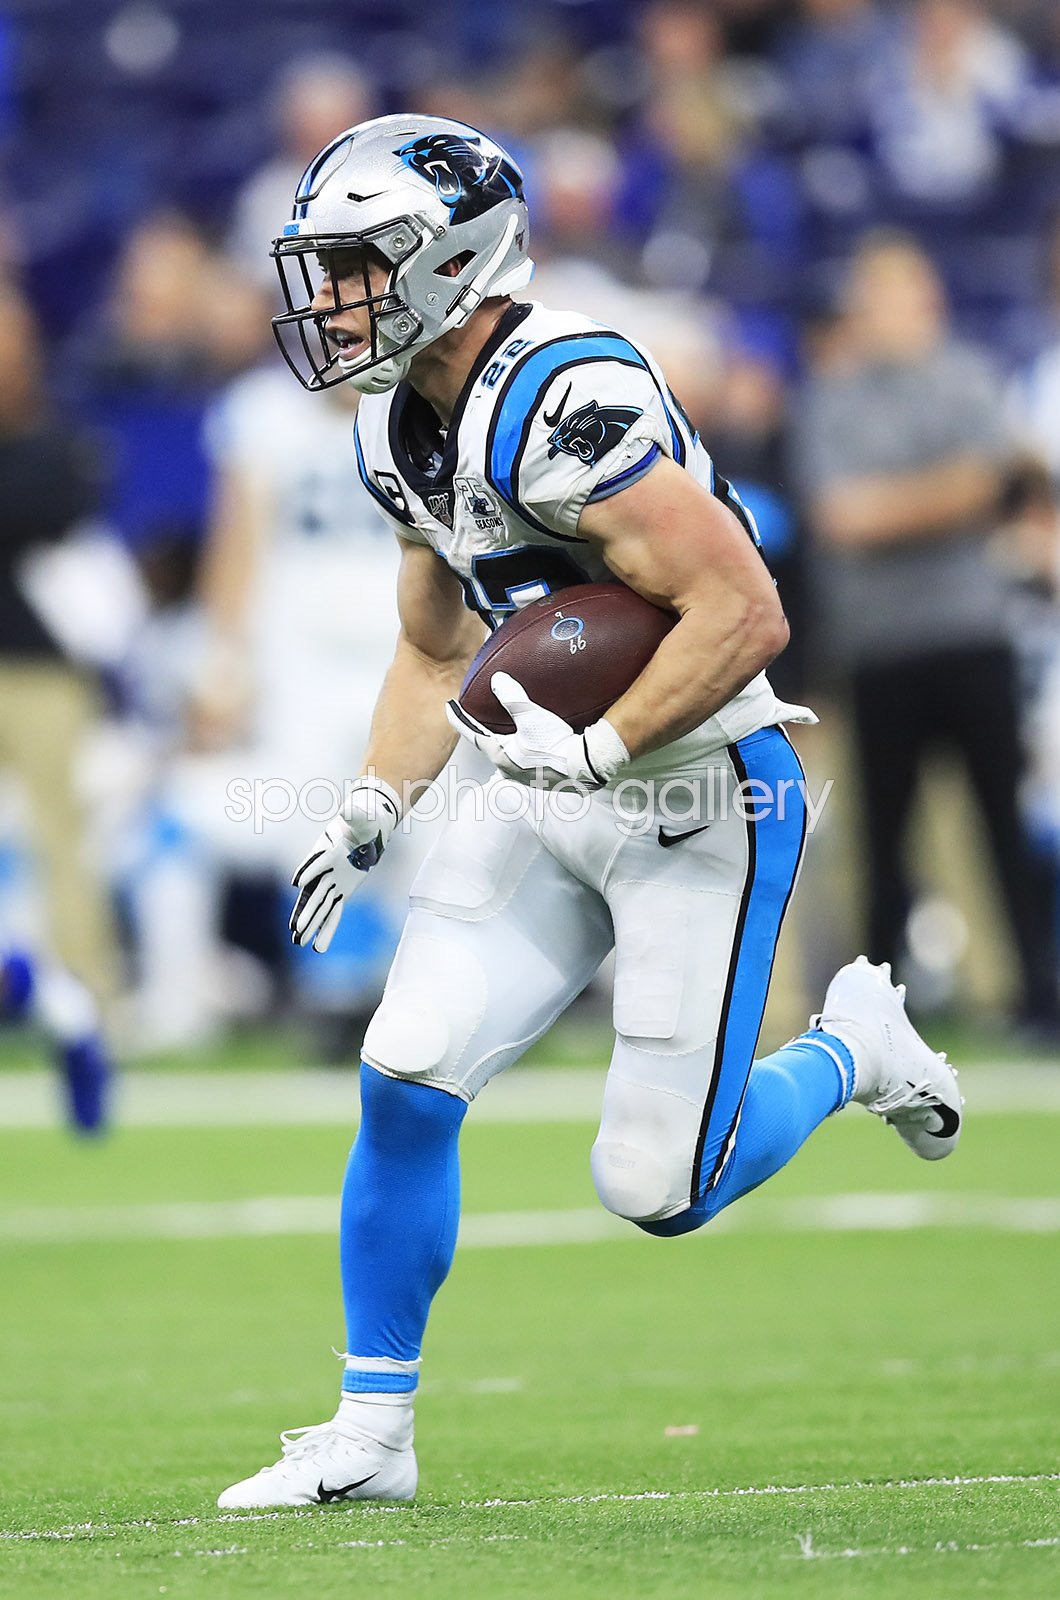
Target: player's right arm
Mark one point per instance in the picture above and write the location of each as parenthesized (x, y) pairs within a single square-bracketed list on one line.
[(410, 739), (409, 743)]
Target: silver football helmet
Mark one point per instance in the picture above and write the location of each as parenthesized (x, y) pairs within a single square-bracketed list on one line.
[(410, 194)]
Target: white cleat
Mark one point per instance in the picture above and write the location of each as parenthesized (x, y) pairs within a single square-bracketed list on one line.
[(897, 1076), (328, 1463)]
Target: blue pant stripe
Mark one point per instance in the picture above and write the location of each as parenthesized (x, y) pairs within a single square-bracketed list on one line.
[(774, 850)]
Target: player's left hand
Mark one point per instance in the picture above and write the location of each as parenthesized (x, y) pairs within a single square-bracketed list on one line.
[(544, 750)]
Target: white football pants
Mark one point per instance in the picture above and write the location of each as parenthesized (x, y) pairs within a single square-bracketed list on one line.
[(522, 897)]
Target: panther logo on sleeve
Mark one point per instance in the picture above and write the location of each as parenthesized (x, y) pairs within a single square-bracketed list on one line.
[(592, 431), (467, 180)]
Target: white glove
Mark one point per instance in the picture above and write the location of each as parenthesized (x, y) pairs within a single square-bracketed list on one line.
[(544, 750), (345, 852)]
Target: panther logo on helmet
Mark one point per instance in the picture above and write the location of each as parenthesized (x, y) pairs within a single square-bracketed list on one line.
[(591, 431), (465, 179)]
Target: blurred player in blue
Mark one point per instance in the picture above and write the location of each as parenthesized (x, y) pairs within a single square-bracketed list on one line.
[(531, 450), (41, 994)]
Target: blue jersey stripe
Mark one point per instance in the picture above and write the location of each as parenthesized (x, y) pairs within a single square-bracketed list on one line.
[(522, 393)]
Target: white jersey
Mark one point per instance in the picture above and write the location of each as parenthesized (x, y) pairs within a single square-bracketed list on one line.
[(557, 412), (321, 553)]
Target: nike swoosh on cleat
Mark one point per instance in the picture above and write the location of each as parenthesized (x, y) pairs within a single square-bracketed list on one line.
[(668, 839), (550, 421), (951, 1122), (326, 1496)]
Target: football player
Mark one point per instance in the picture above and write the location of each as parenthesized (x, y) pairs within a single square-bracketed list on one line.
[(515, 451)]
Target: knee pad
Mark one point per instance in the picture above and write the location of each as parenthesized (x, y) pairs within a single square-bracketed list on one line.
[(432, 1006), (408, 1036), (645, 1149), (630, 1181)]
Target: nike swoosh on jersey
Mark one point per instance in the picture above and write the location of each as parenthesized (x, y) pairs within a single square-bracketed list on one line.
[(550, 421), (326, 1496), (668, 839)]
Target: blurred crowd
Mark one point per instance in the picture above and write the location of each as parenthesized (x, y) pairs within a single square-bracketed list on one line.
[(835, 222)]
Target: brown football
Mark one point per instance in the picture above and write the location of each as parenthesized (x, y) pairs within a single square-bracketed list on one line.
[(576, 652)]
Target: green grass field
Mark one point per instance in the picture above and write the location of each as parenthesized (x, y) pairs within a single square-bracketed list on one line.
[(830, 1382)]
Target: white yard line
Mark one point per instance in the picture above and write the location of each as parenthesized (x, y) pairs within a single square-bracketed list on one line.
[(315, 1096), (808, 1551), (770, 1490), (269, 1216), (88, 1530)]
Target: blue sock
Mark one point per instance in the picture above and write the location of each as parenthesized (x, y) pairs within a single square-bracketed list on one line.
[(86, 1074), (17, 982), (400, 1210), (788, 1095)]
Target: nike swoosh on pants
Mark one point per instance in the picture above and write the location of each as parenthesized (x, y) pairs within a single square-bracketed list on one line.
[(668, 839)]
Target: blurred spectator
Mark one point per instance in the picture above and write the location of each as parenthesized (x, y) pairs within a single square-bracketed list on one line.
[(1029, 545), (722, 206), (944, 100), (748, 439), (1034, 396), (573, 189), (829, 55), (7, 124), (901, 452), (178, 322), (537, 91), (233, 690), (316, 98), (1029, 541), (233, 319), (463, 98), (751, 26), (48, 483), (151, 328), (1035, 406), (695, 121), (1036, 21)]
